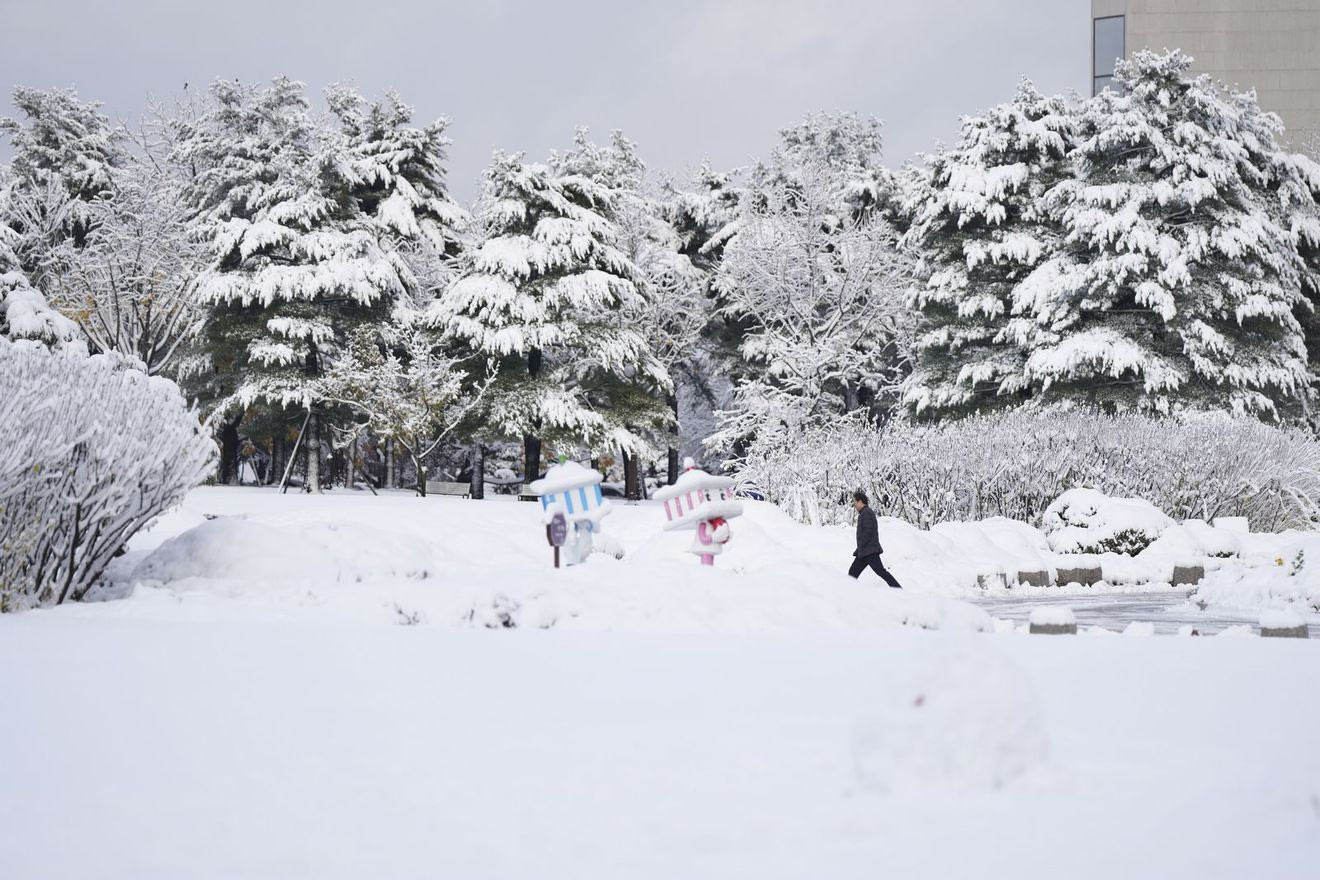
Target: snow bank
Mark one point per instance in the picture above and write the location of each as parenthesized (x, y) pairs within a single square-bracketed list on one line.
[(1058, 615), (1281, 618), (456, 563), (1275, 571), (247, 557), (1088, 521)]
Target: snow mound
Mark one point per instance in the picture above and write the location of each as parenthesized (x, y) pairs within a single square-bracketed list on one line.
[(229, 555), (460, 565), (1060, 615), (1275, 572), (1213, 540), (233, 549), (1139, 628), (1089, 521), (962, 719), (1281, 618)]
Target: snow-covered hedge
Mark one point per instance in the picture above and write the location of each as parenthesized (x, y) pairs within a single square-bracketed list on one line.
[(1015, 463), (1087, 521), (90, 453)]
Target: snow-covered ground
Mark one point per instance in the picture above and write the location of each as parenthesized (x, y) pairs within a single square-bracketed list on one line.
[(444, 561), (252, 553), (255, 709)]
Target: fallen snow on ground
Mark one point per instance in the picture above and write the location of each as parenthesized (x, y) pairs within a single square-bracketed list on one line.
[(454, 562), (451, 562), (1274, 572), (150, 749), (1057, 615), (243, 704)]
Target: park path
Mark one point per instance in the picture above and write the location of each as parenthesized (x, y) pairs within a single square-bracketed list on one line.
[(1168, 610)]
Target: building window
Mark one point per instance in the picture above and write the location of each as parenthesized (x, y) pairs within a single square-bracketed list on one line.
[(1107, 48)]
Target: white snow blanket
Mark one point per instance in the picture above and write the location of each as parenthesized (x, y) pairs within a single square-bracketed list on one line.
[(1276, 572), (454, 562), (458, 563), (347, 686)]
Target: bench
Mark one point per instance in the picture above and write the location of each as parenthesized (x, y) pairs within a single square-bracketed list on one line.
[(528, 495), (440, 487)]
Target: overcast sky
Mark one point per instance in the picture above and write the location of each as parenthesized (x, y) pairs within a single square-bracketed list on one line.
[(686, 80)]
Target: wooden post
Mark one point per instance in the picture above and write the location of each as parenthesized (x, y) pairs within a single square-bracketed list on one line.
[(293, 456)]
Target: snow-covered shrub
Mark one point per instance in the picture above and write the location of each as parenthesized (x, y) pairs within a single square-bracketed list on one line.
[(1015, 463), (89, 454), (1088, 521)]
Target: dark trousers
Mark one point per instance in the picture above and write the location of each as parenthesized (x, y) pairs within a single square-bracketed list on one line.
[(861, 562)]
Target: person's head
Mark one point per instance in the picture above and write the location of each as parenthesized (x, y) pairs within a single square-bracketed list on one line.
[(859, 500)]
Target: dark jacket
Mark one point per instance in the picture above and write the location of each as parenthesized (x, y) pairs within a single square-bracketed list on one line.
[(868, 534)]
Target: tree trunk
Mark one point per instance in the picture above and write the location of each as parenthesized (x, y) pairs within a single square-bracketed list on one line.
[(532, 442), (389, 477), (852, 398), (632, 484), (477, 488), (312, 482), (229, 451), (673, 453), (276, 465), (421, 476), (531, 458)]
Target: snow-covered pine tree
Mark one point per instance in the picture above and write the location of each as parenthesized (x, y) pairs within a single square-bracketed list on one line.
[(542, 293), (977, 223), (1180, 278), (63, 158), (24, 313), (1300, 202), (396, 172), (704, 214), (297, 265), (703, 211), (672, 304)]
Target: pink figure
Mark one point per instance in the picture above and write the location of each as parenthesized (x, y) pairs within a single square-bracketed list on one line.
[(709, 507)]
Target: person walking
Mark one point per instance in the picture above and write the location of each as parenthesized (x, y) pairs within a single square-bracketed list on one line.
[(868, 543)]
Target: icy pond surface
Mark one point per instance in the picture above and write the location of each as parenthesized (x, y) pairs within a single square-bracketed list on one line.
[(1167, 610)]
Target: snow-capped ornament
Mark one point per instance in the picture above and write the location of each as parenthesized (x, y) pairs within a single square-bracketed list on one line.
[(573, 491), (703, 503)]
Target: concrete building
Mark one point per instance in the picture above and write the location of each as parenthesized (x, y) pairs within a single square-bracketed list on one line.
[(1271, 45)]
